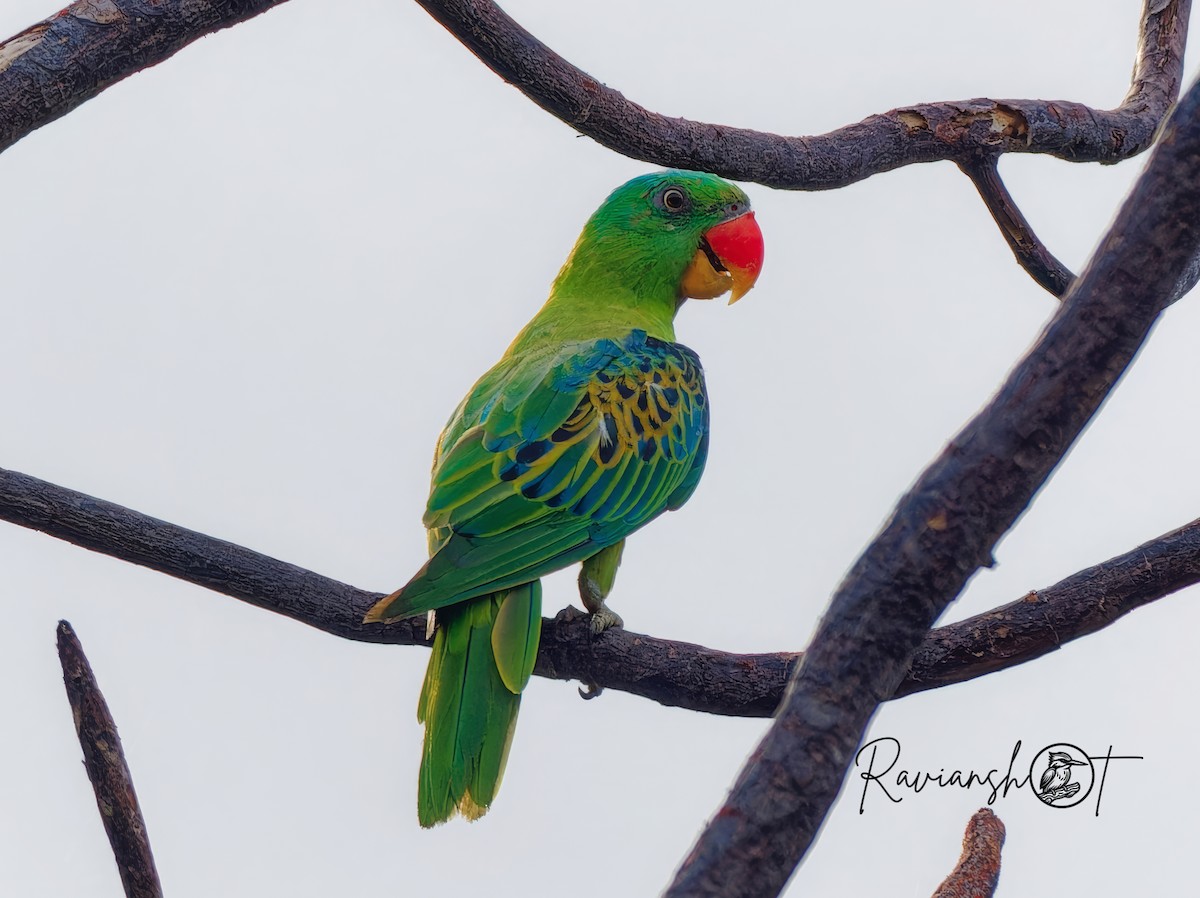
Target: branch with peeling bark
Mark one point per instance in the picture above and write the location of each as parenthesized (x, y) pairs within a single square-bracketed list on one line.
[(929, 132), (54, 66), (972, 133), (677, 674)]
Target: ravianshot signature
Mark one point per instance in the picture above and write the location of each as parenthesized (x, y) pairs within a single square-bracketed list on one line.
[(1061, 775)]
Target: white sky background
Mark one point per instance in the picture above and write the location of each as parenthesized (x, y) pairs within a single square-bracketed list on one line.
[(244, 290)]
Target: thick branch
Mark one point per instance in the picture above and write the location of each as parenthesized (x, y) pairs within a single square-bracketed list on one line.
[(973, 133), (978, 870), (1030, 252), (678, 674), (52, 67), (107, 770), (959, 130), (945, 528), (1082, 604)]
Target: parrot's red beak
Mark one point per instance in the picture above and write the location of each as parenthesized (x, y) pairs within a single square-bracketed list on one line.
[(730, 258)]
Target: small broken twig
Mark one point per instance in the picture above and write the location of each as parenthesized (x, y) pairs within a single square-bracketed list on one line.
[(1031, 253), (978, 869), (107, 770)]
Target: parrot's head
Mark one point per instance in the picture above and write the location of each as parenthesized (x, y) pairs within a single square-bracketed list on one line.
[(686, 231)]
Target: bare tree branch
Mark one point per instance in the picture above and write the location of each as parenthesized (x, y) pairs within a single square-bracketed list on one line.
[(940, 533), (1082, 604), (1031, 253), (944, 529), (107, 770), (957, 130), (52, 67), (677, 674), (973, 133), (978, 871)]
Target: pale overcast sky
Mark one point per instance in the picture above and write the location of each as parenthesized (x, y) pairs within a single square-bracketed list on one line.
[(244, 290)]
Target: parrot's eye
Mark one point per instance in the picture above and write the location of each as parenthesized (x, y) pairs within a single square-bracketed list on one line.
[(673, 199)]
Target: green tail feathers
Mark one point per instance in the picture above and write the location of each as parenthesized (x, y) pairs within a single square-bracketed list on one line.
[(483, 656)]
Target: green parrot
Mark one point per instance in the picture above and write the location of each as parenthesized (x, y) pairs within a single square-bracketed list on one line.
[(593, 423)]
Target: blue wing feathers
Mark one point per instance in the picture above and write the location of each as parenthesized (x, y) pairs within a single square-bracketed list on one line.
[(564, 456)]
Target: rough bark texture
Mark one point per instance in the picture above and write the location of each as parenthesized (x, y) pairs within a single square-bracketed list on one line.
[(957, 130), (1081, 604), (945, 528), (51, 67), (106, 769), (677, 674), (873, 642), (978, 871), (973, 133)]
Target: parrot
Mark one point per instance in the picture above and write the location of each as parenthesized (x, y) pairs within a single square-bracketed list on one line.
[(592, 424)]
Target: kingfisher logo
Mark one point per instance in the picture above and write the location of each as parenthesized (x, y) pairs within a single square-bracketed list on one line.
[(1061, 775)]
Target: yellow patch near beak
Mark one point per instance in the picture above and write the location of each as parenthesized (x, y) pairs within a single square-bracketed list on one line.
[(702, 281)]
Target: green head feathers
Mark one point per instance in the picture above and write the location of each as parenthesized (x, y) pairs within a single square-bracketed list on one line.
[(644, 237)]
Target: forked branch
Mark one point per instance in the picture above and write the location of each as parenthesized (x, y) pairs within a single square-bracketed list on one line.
[(52, 67), (956, 131), (973, 133)]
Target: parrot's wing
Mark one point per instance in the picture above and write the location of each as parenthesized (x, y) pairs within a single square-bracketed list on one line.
[(564, 460)]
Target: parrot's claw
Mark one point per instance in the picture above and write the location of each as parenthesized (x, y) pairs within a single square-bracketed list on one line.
[(596, 582), (603, 618), (570, 614), (589, 691)]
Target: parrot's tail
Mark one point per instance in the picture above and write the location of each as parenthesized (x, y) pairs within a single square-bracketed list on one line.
[(483, 656)]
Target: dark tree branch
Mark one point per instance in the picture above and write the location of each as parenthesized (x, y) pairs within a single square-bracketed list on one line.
[(1082, 604), (957, 131), (973, 133), (1031, 253), (978, 871), (52, 67), (944, 529), (677, 674), (107, 770)]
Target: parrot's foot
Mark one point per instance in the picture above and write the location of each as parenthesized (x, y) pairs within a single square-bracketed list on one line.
[(603, 618), (589, 691), (596, 582)]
